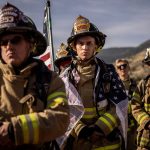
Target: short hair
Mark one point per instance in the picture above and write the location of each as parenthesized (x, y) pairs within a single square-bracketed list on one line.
[(121, 60)]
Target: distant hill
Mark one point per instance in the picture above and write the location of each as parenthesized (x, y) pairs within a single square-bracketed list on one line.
[(134, 55), (111, 54), (138, 69)]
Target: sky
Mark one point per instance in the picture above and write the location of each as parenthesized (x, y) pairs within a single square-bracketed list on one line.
[(125, 22)]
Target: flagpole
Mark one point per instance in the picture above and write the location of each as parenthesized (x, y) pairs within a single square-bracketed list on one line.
[(50, 37)]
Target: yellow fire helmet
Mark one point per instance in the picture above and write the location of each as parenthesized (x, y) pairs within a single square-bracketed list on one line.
[(63, 55)]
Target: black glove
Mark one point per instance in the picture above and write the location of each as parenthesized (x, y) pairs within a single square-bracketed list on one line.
[(114, 135), (97, 129), (11, 132), (86, 132)]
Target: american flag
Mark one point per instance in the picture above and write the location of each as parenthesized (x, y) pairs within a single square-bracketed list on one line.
[(48, 56), (117, 91)]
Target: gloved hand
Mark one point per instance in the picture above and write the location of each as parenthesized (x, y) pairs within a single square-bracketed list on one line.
[(86, 132), (5, 139), (114, 135), (96, 135), (90, 132)]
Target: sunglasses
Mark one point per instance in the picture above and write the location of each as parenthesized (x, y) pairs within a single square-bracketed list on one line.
[(122, 67), (15, 41)]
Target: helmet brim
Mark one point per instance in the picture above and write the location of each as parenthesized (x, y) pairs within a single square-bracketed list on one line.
[(58, 61), (40, 40), (99, 35)]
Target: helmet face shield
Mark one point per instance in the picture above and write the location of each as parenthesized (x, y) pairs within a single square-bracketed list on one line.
[(12, 20), (83, 27)]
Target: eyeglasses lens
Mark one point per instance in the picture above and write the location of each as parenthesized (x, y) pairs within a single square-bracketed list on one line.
[(122, 67), (15, 40)]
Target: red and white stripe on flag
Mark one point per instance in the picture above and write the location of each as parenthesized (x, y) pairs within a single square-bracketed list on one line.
[(46, 57)]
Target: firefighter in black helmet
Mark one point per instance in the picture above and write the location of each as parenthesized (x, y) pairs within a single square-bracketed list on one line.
[(101, 91), (33, 103)]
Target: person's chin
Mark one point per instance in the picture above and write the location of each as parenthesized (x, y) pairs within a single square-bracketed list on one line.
[(13, 62), (83, 58)]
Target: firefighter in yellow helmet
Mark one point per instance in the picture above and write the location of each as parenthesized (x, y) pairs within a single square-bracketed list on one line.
[(123, 70), (141, 108), (101, 91), (63, 58), (33, 105)]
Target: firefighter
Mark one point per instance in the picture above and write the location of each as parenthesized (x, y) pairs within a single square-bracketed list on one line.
[(101, 91), (141, 108), (64, 58), (33, 104), (123, 70)]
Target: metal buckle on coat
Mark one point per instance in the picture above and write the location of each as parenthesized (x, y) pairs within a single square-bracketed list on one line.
[(27, 98)]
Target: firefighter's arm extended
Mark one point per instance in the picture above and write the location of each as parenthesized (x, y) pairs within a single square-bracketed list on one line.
[(52, 122)]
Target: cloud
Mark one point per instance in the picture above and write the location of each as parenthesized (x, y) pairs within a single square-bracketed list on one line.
[(126, 22)]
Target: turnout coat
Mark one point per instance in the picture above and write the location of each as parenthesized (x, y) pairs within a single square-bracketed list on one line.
[(141, 112), (105, 105), (36, 118)]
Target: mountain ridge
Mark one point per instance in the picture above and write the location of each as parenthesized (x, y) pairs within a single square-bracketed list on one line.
[(134, 55), (121, 52)]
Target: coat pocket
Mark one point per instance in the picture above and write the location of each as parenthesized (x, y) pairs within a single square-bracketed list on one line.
[(31, 104)]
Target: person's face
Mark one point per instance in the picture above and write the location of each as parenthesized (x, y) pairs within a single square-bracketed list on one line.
[(123, 69), (14, 49), (85, 47)]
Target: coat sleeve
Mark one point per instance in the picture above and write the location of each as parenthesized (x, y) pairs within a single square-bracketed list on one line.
[(108, 121), (52, 122), (137, 105)]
